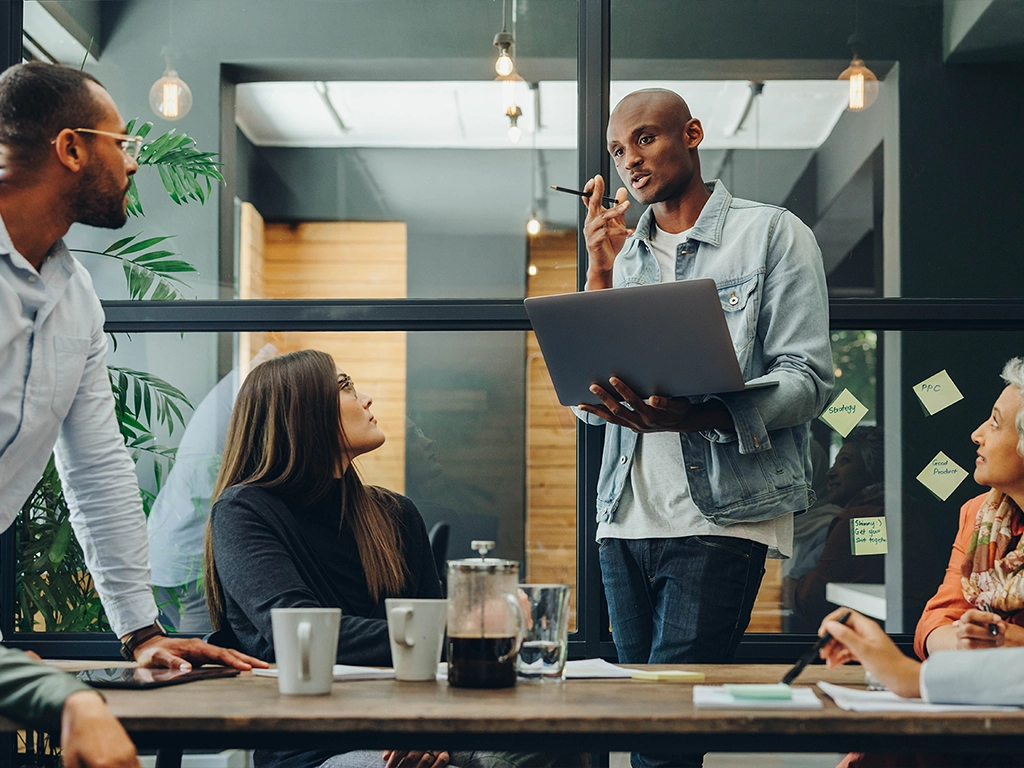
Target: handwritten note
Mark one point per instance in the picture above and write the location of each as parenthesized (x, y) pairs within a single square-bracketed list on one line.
[(867, 536), (937, 392), (844, 413), (942, 476)]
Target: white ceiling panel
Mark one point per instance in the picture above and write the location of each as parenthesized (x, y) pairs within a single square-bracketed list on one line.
[(791, 114)]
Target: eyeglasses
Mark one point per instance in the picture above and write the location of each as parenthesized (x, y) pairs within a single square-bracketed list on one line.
[(130, 145)]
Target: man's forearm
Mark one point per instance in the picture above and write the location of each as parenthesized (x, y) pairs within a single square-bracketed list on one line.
[(32, 693)]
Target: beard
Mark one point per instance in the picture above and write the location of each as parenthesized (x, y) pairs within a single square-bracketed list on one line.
[(98, 201)]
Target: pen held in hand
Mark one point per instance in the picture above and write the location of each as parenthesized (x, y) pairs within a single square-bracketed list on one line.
[(608, 201), (811, 652)]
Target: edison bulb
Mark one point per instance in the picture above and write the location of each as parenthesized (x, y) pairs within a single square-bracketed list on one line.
[(170, 97), (532, 270), (863, 85), (504, 65), (515, 133), (533, 227)]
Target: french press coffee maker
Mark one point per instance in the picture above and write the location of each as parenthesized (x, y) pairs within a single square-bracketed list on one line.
[(485, 620)]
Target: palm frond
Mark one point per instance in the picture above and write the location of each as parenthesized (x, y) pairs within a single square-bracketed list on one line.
[(142, 399), (151, 274), (186, 173)]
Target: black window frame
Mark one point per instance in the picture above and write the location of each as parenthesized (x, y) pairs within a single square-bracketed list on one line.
[(228, 316)]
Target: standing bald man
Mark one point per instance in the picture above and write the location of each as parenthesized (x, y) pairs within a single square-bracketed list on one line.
[(65, 158), (694, 493)]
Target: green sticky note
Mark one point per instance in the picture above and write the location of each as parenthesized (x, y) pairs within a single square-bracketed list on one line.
[(867, 536), (937, 392), (759, 690), (942, 476), (844, 413)]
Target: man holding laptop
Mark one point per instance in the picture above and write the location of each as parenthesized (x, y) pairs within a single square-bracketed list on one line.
[(695, 492)]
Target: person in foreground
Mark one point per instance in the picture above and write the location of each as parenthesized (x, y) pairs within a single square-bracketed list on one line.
[(65, 158), (45, 698), (694, 493), (294, 526), (980, 603), (948, 677)]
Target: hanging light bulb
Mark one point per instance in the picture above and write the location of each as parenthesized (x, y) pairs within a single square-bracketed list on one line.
[(504, 66), (170, 97), (863, 83), (532, 270), (533, 225), (515, 133)]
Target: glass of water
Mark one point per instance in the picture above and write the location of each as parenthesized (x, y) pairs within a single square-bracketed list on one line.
[(545, 642)]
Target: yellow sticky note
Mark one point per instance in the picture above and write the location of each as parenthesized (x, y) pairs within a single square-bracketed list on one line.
[(867, 536), (844, 413), (942, 476), (937, 392), (667, 675)]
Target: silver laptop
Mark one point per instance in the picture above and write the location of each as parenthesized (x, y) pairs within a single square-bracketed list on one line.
[(668, 339)]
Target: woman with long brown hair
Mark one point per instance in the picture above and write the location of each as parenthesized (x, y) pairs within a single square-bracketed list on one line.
[(294, 526)]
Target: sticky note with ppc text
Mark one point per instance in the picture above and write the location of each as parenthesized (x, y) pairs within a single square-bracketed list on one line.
[(844, 413), (867, 536), (942, 476), (937, 392)]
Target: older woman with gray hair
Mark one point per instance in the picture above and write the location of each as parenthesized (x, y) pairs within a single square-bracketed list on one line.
[(980, 603)]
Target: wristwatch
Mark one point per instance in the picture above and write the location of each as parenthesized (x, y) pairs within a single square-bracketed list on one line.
[(138, 637)]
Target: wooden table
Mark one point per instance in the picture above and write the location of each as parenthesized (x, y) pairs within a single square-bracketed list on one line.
[(575, 715)]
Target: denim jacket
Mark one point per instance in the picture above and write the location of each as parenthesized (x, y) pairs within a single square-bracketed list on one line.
[(769, 274)]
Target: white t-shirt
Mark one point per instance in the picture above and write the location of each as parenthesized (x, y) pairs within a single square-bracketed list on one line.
[(656, 502)]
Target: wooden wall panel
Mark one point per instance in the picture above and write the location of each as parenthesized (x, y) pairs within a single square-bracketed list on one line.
[(345, 260), (550, 433)]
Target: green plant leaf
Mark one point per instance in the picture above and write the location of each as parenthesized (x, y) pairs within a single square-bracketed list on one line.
[(149, 271), (60, 543)]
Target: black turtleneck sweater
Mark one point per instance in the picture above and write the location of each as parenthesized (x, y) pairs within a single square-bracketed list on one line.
[(273, 553)]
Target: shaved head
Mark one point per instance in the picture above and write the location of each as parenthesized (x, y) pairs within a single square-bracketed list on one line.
[(668, 104), (653, 139)]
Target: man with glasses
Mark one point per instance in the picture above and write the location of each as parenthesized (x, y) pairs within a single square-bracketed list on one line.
[(65, 159)]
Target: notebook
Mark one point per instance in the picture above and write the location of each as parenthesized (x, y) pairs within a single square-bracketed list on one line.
[(667, 339)]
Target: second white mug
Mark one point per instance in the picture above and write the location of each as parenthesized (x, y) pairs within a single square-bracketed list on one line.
[(416, 632)]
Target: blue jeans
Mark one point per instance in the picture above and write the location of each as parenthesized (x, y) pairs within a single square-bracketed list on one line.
[(679, 601)]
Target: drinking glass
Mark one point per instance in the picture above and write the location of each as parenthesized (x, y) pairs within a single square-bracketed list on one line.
[(545, 643)]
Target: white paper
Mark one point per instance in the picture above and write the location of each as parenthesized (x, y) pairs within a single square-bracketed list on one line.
[(593, 668), (716, 697), (345, 672), (859, 700)]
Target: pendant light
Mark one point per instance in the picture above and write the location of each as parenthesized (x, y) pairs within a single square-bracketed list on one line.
[(503, 41), (170, 97), (863, 85)]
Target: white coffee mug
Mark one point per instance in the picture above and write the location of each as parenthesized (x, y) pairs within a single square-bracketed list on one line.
[(416, 632), (305, 646)]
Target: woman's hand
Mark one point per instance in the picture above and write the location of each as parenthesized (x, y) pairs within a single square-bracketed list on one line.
[(979, 629), (404, 758), (861, 639)]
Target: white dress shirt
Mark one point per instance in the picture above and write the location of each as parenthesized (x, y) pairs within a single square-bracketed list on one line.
[(54, 391)]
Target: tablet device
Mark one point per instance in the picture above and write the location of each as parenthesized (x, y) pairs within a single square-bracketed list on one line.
[(668, 339), (137, 677)]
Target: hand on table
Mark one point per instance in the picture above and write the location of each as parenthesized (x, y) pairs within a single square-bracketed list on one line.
[(181, 652), (91, 737), (656, 414), (604, 231), (404, 758), (974, 629), (861, 639)]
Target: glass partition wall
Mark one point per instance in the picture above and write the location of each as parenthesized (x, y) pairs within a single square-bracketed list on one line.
[(386, 197)]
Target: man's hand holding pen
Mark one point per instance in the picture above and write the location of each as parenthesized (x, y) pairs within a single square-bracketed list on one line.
[(604, 231)]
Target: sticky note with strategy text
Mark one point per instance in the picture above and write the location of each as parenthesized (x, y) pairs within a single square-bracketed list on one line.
[(937, 392), (867, 536), (942, 476), (844, 413)]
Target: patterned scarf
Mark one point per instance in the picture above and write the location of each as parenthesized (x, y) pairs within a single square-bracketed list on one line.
[(992, 573)]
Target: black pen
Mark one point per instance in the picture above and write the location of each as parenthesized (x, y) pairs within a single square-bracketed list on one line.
[(808, 657), (609, 201)]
